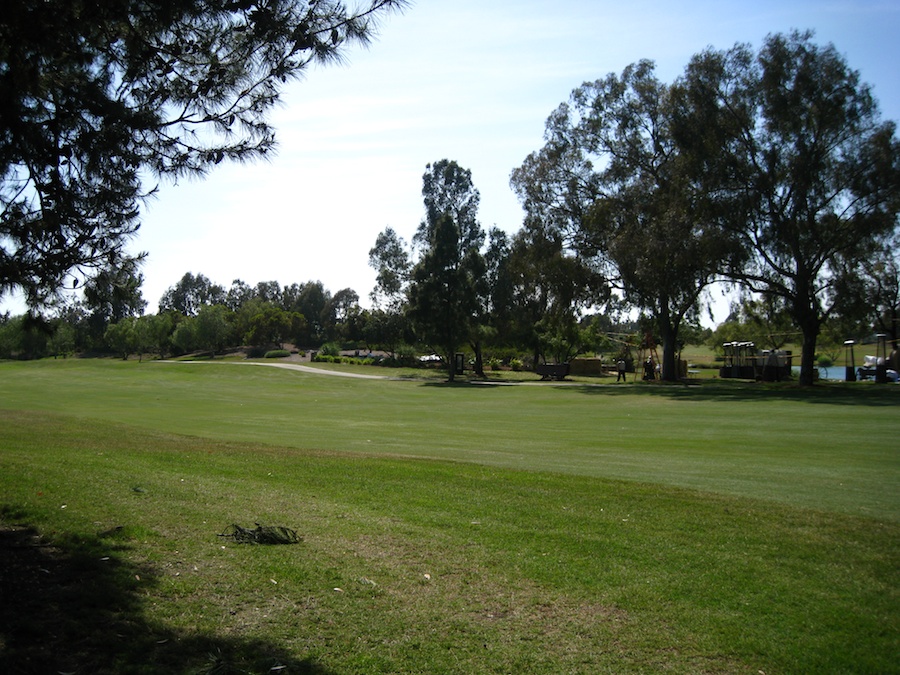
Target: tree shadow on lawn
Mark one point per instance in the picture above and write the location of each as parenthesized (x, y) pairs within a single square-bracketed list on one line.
[(464, 383), (832, 393), (76, 607)]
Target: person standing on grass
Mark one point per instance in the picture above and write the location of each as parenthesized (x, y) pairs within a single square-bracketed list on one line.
[(892, 364), (649, 371), (620, 370)]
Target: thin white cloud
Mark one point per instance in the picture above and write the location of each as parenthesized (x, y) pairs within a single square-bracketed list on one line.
[(467, 80)]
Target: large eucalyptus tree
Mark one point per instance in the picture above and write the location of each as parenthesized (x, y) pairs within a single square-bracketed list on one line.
[(800, 167), (613, 180)]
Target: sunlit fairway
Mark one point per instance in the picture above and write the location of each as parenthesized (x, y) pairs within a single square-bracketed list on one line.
[(471, 528)]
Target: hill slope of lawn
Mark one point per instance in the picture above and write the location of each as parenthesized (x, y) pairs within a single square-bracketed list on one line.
[(829, 447), (445, 529)]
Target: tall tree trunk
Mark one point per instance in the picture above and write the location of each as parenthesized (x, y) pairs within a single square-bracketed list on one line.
[(451, 365), (669, 333), (479, 360), (808, 354), (670, 352), (809, 324), (806, 314)]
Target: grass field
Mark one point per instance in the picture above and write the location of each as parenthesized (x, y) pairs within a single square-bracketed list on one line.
[(720, 528)]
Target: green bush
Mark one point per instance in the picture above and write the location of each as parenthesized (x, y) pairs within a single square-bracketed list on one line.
[(331, 349), (516, 364), (277, 354)]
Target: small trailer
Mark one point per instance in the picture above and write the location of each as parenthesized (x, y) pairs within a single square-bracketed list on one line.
[(745, 362)]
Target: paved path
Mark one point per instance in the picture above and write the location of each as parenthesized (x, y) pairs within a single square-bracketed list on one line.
[(294, 366), (360, 376)]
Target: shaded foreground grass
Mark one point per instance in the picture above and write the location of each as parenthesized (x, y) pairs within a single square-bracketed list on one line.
[(441, 566)]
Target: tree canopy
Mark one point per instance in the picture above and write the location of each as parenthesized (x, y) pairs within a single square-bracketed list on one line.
[(614, 182), (770, 168), (447, 292), (391, 260), (795, 160), (98, 100)]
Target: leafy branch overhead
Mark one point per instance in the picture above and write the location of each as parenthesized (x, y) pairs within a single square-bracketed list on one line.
[(100, 98)]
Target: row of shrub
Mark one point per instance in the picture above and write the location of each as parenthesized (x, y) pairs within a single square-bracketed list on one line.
[(350, 360), (514, 364), (406, 356)]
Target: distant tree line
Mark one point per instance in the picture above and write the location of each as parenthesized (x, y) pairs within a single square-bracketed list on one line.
[(769, 170), (198, 315), (455, 286), (194, 315)]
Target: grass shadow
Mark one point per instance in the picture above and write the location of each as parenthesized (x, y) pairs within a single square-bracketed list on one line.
[(74, 606), (444, 383), (830, 393)]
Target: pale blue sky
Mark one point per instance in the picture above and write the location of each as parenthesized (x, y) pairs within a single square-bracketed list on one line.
[(467, 80)]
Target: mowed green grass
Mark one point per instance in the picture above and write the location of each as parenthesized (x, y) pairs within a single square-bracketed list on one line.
[(831, 448), (470, 528)]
